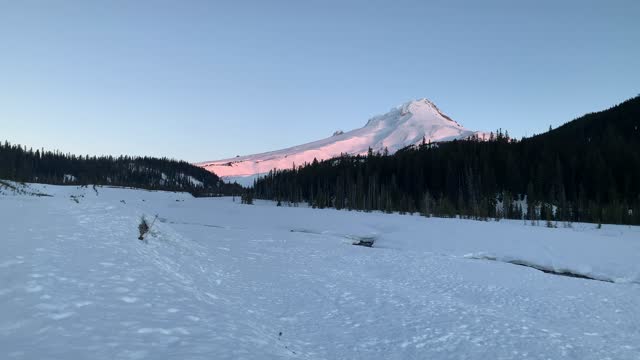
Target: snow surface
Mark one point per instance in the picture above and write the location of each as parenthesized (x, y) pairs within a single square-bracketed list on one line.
[(405, 125), (221, 280)]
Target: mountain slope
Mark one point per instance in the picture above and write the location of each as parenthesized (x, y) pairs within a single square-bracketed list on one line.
[(586, 170), (404, 125), (19, 164), (621, 121)]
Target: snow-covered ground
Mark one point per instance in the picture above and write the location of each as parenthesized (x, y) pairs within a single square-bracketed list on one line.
[(221, 280)]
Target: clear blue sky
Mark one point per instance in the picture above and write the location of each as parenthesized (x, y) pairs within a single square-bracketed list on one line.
[(202, 80)]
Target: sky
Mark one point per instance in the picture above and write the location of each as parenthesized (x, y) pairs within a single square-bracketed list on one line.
[(205, 80)]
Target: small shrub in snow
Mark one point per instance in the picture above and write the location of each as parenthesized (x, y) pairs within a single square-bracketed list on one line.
[(247, 198), (143, 228)]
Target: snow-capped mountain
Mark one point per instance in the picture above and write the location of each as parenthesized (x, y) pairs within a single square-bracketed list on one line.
[(405, 125)]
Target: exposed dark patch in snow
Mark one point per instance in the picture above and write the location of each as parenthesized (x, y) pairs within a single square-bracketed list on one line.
[(15, 188), (305, 231), (554, 272), (164, 220), (545, 269), (366, 240)]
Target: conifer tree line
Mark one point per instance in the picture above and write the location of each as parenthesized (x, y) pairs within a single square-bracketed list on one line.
[(587, 170), (53, 167)]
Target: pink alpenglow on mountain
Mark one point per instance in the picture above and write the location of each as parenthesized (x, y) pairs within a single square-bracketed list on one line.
[(404, 125)]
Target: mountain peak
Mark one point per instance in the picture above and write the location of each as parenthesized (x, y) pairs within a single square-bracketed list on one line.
[(422, 103), (402, 126), (421, 109)]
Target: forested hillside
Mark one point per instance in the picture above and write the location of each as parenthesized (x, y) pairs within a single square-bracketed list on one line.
[(28, 165), (586, 170)]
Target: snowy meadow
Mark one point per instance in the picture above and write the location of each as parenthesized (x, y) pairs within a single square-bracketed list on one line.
[(216, 279)]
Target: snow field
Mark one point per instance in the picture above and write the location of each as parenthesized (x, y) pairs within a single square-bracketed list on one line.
[(221, 280)]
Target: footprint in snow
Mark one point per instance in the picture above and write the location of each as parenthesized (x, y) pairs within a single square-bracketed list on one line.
[(61, 316), (33, 288), (8, 263)]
